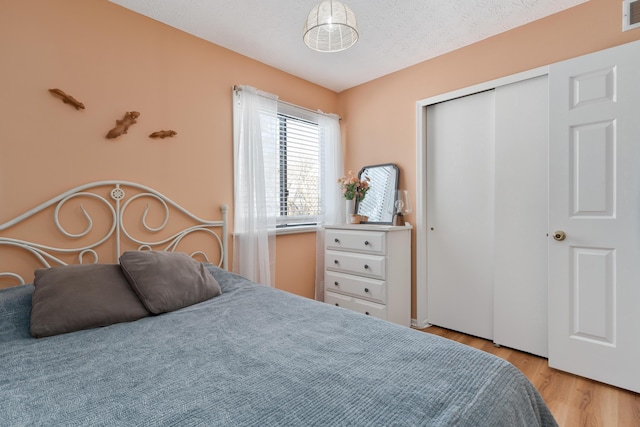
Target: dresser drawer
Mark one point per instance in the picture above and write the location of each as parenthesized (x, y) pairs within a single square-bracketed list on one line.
[(355, 263), (372, 242), (365, 307), (361, 287)]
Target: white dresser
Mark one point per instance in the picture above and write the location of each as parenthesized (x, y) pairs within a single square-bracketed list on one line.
[(368, 270)]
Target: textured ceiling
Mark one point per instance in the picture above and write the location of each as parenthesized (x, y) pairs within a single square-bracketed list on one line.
[(394, 34)]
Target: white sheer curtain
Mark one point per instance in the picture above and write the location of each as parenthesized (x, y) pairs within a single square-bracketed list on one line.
[(255, 144), (332, 202)]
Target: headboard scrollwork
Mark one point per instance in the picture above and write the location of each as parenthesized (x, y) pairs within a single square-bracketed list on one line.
[(120, 227)]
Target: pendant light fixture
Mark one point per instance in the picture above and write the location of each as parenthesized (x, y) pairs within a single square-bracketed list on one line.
[(330, 27)]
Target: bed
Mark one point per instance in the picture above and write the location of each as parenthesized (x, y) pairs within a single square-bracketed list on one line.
[(249, 356)]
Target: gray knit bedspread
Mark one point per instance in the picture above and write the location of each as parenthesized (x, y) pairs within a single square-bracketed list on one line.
[(253, 356)]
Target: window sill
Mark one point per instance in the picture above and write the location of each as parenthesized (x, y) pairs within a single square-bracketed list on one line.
[(296, 230), (291, 230)]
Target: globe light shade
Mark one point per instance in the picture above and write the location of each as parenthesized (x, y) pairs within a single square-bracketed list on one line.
[(330, 27), (401, 207)]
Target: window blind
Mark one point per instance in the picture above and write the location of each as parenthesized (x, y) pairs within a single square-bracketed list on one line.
[(299, 166)]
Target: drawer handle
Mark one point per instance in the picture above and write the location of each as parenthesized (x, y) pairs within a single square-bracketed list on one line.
[(337, 305), (366, 312), (366, 267), (335, 283), (336, 240), (335, 261), (366, 289), (366, 243)]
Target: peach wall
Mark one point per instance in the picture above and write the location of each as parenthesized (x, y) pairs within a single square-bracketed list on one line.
[(299, 264), (381, 115), (114, 60)]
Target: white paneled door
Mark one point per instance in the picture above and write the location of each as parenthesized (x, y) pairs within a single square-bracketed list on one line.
[(594, 216)]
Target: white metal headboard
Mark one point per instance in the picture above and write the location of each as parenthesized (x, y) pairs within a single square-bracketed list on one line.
[(48, 255)]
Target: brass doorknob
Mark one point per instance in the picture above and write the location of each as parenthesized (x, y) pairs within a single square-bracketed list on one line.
[(559, 235)]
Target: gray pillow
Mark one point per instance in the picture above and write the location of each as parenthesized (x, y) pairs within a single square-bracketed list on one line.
[(167, 281), (75, 297)]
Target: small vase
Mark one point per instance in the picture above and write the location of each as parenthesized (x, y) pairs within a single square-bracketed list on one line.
[(350, 209)]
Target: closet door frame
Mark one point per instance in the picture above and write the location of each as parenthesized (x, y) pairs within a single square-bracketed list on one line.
[(421, 168)]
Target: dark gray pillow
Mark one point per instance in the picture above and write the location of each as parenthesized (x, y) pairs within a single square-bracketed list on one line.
[(74, 297), (167, 281)]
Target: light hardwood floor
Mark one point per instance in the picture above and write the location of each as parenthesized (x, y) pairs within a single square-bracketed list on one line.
[(573, 400)]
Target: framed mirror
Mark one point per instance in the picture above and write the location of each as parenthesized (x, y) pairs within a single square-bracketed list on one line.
[(383, 183)]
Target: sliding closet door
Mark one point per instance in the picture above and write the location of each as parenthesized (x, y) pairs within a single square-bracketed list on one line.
[(460, 214), (520, 282)]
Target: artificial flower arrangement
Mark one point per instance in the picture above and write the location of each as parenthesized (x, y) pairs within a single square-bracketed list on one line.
[(353, 187)]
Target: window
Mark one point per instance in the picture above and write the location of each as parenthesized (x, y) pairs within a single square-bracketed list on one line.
[(298, 166), (286, 163)]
